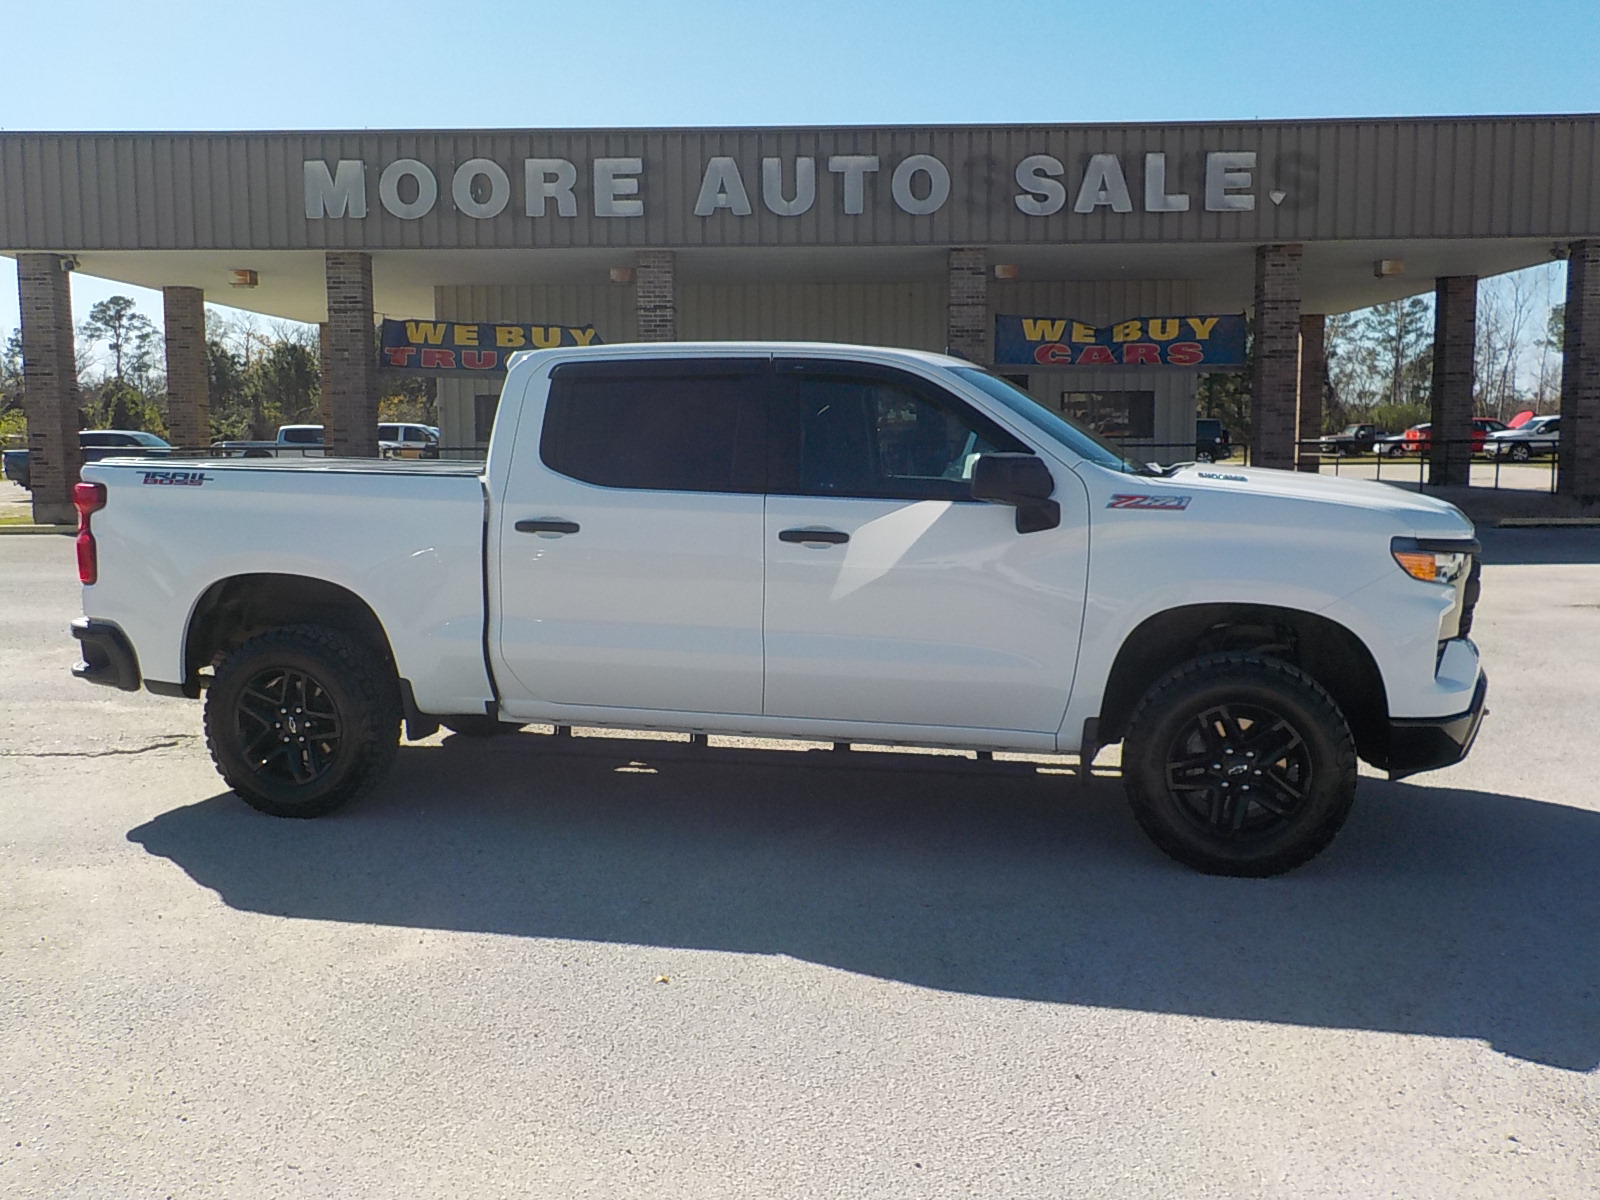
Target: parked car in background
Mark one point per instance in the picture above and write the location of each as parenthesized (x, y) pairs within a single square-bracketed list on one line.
[(1538, 435), (1212, 443), (95, 444), (1419, 438), (293, 441), (407, 439), (1352, 439), (396, 439)]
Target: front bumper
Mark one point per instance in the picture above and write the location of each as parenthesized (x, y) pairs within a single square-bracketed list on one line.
[(108, 656), (1428, 744)]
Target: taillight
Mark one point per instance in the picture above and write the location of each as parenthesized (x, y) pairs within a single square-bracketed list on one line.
[(87, 498)]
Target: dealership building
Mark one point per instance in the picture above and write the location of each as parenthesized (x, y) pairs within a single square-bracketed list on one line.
[(1106, 267)]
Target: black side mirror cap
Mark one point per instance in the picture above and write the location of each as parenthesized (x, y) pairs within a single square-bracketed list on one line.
[(1022, 481)]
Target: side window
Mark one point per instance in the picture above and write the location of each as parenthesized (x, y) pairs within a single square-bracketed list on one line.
[(840, 433), (685, 426)]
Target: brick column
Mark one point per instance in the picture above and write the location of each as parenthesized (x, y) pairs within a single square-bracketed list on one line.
[(1275, 380), (656, 295), (188, 372), (49, 385), (352, 369), (324, 386), (1455, 324), (1313, 378), (1580, 376), (968, 328)]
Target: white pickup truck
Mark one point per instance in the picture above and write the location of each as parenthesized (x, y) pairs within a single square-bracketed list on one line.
[(799, 540)]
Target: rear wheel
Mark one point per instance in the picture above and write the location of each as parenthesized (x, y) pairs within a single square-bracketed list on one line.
[(298, 720), (1239, 764)]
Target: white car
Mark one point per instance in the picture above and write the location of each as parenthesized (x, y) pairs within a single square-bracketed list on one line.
[(1539, 435), (837, 543)]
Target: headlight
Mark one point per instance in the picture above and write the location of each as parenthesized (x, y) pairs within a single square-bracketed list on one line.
[(1434, 560)]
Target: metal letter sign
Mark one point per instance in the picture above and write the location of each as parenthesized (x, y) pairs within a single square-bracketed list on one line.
[(1211, 342)]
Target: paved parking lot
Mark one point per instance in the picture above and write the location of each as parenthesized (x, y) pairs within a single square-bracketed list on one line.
[(519, 969)]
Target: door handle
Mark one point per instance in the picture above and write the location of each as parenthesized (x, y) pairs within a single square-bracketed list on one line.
[(831, 537), (547, 526)]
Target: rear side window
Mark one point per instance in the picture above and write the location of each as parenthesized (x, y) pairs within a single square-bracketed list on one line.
[(682, 426)]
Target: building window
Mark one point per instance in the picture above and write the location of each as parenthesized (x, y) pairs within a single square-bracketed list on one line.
[(483, 408), (1115, 416)]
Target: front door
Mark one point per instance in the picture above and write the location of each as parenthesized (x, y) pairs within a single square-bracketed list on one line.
[(891, 596), (630, 541)]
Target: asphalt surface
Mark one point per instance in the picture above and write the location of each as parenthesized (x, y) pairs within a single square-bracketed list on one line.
[(608, 968)]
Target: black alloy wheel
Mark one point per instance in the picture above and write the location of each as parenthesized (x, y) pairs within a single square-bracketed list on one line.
[(1239, 771), (288, 726), (1239, 764)]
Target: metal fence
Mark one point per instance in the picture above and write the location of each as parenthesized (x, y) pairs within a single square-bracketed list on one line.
[(1488, 464)]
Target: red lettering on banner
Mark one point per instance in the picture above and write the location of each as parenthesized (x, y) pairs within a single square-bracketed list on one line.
[(1053, 354), (399, 356), (1097, 356), (1185, 354), (1141, 354), (479, 360), (442, 360)]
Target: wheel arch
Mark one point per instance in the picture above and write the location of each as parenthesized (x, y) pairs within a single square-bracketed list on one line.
[(1324, 649), (237, 608)]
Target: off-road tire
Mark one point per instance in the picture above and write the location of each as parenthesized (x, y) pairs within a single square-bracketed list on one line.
[(1302, 770), (345, 738)]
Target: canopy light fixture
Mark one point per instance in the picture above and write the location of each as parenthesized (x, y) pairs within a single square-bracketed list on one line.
[(1005, 270), (1386, 267), (621, 274), (241, 277)]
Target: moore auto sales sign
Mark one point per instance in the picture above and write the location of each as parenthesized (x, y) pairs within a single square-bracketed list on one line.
[(918, 184)]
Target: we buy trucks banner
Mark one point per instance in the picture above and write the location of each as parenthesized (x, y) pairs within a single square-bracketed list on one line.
[(455, 348), (1211, 341)]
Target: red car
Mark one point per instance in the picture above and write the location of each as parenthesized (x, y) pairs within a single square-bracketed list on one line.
[(1418, 439)]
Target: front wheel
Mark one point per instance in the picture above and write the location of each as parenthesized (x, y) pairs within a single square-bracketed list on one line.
[(300, 719), (1520, 452), (1239, 764)]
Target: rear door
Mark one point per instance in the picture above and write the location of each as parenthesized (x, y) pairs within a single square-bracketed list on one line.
[(630, 540)]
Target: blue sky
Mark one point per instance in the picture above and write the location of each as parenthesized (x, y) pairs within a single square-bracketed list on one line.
[(343, 64)]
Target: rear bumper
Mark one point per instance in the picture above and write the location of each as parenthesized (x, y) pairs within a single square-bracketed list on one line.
[(108, 656), (1427, 745)]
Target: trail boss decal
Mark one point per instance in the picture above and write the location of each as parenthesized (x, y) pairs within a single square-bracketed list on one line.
[(1124, 500), (177, 478)]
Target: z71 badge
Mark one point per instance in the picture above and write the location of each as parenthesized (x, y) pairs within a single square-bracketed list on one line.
[(177, 478), (1124, 500)]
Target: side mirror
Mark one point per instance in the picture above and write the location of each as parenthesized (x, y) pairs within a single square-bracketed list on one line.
[(1022, 481)]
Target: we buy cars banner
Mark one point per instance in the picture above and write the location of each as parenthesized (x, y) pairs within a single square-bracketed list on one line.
[(454, 348), (1210, 341)]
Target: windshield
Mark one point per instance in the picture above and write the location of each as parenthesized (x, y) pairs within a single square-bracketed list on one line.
[(1053, 425)]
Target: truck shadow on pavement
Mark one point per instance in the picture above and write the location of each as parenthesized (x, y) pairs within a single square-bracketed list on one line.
[(1439, 911)]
